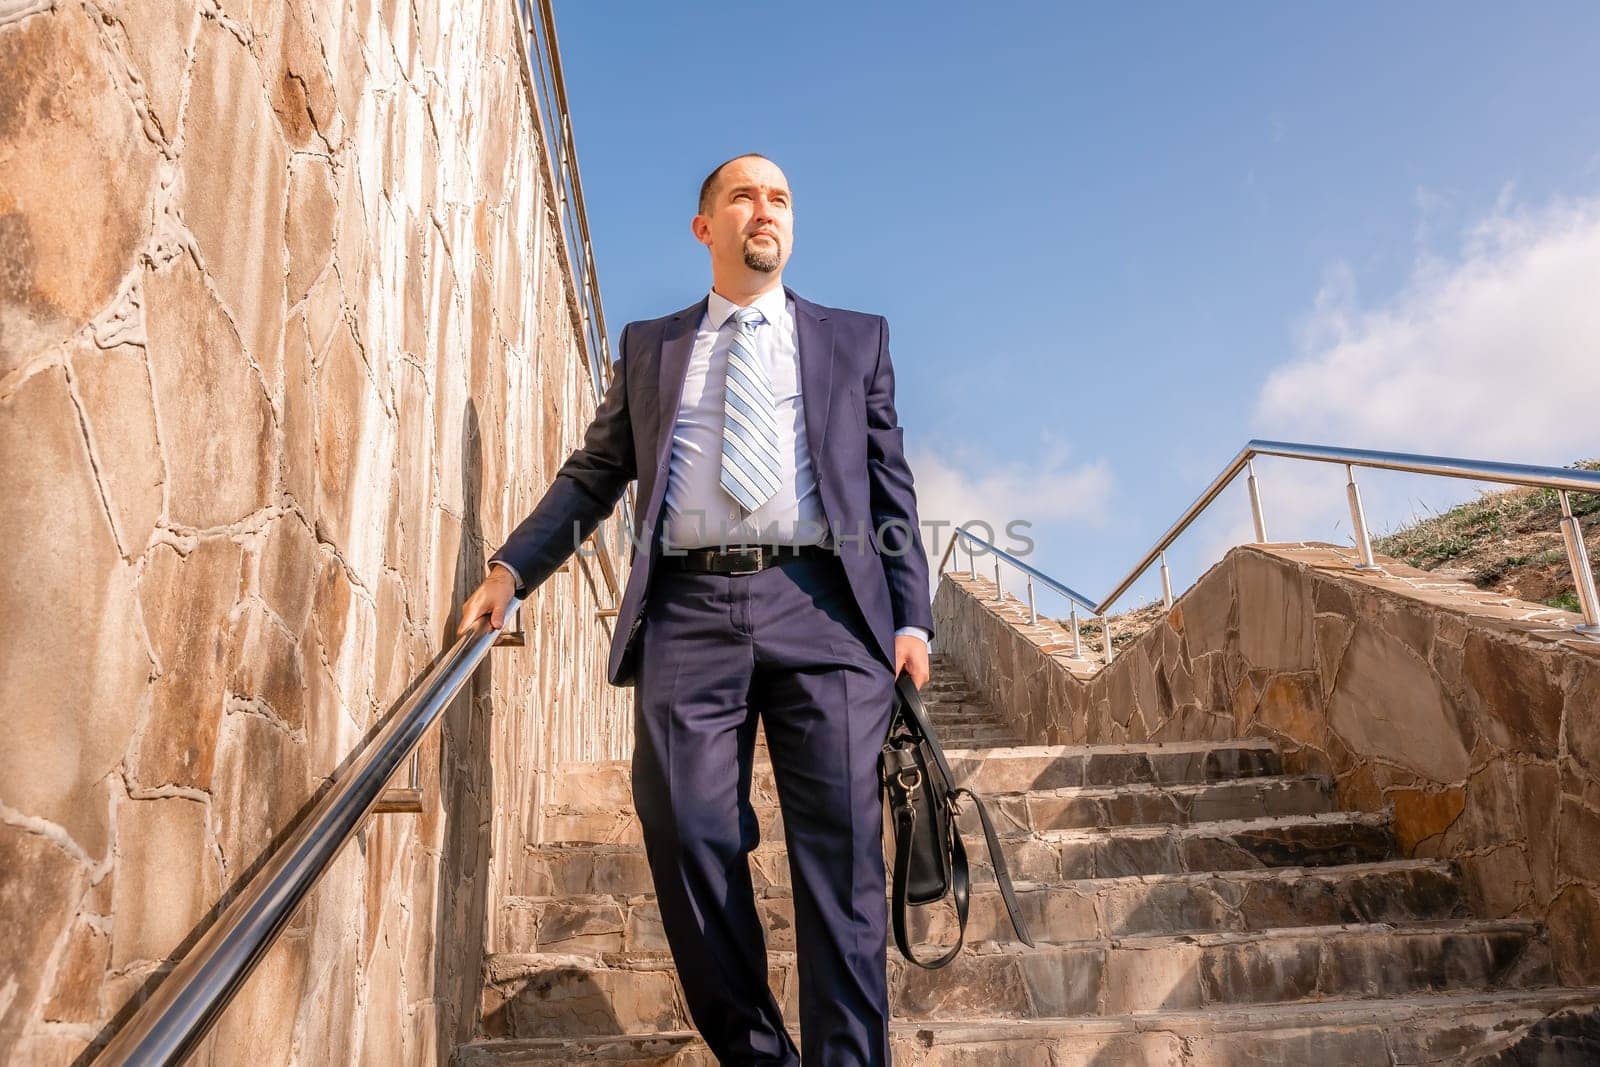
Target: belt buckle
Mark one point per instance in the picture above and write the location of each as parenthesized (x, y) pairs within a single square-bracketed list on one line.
[(754, 552)]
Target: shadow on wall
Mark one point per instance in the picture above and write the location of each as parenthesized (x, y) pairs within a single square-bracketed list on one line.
[(302, 919), (465, 789), (463, 784), (295, 931)]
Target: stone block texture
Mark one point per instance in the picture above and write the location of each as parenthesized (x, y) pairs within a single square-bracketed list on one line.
[(1471, 719), (289, 340)]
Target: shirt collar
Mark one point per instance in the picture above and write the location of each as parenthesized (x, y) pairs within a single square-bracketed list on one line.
[(773, 304)]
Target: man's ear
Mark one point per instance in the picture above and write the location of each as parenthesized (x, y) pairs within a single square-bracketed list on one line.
[(700, 226)]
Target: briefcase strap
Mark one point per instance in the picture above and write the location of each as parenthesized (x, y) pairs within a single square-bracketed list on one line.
[(905, 818), (1002, 875)]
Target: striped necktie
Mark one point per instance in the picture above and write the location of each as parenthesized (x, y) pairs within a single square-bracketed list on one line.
[(749, 426)]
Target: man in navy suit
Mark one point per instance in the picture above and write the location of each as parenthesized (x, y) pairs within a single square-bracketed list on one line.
[(778, 571)]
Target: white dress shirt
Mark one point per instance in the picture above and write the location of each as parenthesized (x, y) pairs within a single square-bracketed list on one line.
[(699, 513)]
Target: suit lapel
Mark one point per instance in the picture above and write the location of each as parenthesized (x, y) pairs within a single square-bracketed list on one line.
[(814, 334), (677, 342)]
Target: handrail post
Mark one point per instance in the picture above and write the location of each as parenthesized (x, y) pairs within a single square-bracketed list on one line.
[(972, 561), (1358, 519), (1033, 610), (1582, 572), (511, 632), (945, 557), (1166, 583), (999, 594), (1077, 638), (1257, 515), (1105, 637)]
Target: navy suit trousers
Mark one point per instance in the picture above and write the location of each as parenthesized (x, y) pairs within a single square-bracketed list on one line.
[(790, 645)]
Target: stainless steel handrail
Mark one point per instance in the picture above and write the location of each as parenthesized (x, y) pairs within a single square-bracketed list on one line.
[(547, 97), (555, 126), (169, 1025), (1028, 569), (1033, 575), (1560, 479)]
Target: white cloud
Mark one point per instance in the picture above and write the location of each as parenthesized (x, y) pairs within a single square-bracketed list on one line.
[(1495, 355), (1048, 489)]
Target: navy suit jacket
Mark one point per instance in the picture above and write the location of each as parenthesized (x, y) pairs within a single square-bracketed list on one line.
[(857, 455)]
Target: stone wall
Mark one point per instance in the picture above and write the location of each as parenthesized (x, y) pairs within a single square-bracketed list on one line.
[(287, 345), (1473, 717)]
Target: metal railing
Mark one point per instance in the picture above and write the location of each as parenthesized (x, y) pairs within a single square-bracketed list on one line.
[(169, 1025), (1561, 480), (1033, 575), (549, 91)]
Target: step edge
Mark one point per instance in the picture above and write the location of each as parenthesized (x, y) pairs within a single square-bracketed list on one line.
[(1246, 743), (1238, 1019), (1375, 820), (1253, 874), (1092, 792), (606, 961)]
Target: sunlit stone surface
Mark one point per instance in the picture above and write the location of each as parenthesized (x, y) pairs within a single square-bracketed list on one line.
[(286, 347)]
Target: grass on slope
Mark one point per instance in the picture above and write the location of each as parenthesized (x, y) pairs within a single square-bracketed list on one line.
[(1507, 540)]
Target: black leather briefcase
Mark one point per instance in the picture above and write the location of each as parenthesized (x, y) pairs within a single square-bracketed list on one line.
[(930, 860)]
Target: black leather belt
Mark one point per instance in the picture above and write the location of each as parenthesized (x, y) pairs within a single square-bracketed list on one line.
[(738, 559)]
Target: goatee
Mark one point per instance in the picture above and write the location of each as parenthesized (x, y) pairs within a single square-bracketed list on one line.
[(759, 259)]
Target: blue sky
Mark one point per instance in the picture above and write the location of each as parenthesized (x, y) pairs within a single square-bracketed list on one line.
[(1115, 242)]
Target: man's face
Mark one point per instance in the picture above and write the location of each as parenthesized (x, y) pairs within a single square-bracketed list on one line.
[(750, 219)]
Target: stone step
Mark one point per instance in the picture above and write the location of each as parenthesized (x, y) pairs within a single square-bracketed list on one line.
[(1149, 804), (1393, 892), (975, 734), (958, 697), (1048, 856), (959, 702), (606, 783), (1554, 1027), (565, 995), (961, 711), (955, 697), (959, 735), (944, 681), (943, 725), (948, 732), (1039, 809)]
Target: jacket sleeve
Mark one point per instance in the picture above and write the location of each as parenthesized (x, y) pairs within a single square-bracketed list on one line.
[(585, 490), (895, 528)]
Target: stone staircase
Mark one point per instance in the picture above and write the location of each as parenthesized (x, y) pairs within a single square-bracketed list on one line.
[(1191, 904)]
